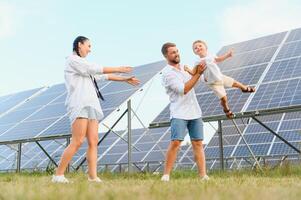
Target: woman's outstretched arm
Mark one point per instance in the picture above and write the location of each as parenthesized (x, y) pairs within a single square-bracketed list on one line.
[(129, 79), (124, 69)]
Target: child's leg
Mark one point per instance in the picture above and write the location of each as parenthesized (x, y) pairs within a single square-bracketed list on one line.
[(219, 90), (224, 103), (239, 85), (230, 82)]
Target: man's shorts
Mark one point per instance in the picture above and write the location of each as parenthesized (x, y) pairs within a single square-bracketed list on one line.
[(179, 126), (218, 87)]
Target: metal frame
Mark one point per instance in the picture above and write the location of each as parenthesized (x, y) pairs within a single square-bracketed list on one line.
[(247, 114), (68, 136), (219, 118)]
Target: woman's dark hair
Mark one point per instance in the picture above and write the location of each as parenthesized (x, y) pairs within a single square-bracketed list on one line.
[(80, 39)]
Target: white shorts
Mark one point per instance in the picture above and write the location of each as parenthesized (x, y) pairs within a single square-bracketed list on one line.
[(218, 87)]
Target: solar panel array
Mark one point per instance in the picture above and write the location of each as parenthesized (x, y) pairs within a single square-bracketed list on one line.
[(45, 115)]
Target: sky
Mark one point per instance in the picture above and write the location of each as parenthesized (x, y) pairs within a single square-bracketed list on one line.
[(37, 35)]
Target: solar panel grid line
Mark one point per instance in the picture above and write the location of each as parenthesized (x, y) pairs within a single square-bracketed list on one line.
[(135, 143), (22, 102), (284, 69), (150, 143), (35, 156), (265, 72), (14, 153), (24, 120), (103, 86), (60, 118), (30, 115), (57, 120), (277, 131), (294, 36), (5, 98), (282, 80), (239, 142), (118, 140), (254, 50), (244, 67), (109, 148), (53, 153), (290, 50), (163, 135), (276, 95), (250, 58), (261, 42), (183, 156)]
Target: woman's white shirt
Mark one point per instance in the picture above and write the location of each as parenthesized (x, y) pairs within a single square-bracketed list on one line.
[(80, 89)]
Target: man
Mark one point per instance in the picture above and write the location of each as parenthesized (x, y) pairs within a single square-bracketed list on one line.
[(185, 111)]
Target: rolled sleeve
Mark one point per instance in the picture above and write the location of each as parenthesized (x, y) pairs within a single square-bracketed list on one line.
[(102, 77), (83, 67)]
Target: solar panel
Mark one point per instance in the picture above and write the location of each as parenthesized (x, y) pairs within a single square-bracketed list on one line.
[(9, 101), (46, 114)]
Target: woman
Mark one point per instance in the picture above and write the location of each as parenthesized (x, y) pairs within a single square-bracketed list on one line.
[(83, 105)]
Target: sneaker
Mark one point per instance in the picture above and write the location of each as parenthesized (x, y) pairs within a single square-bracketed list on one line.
[(205, 178), (95, 180), (165, 178), (59, 179)]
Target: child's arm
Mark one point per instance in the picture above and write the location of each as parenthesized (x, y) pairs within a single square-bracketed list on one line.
[(221, 58), (190, 71)]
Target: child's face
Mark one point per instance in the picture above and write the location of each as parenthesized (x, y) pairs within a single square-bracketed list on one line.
[(200, 49)]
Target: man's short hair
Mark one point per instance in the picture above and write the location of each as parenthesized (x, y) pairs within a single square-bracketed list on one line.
[(165, 47)]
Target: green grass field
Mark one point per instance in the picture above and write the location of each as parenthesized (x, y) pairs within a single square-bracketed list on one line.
[(281, 183)]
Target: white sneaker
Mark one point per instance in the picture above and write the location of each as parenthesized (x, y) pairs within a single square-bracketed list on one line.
[(95, 180), (205, 178), (59, 179), (165, 178)]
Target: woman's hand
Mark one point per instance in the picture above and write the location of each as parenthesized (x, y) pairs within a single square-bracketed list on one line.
[(230, 53), (132, 80), (125, 69)]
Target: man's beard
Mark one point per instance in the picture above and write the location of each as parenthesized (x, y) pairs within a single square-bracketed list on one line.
[(175, 61)]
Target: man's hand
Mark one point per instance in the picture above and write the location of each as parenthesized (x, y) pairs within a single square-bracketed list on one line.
[(125, 69), (201, 67), (132, 80), (187, 69)]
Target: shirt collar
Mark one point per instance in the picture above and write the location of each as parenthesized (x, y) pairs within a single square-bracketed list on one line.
[(173, 68)]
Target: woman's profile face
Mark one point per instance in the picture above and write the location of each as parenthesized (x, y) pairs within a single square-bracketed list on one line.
[(84, 48)]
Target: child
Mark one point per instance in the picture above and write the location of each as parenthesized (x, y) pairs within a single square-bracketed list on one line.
[(213, 76)]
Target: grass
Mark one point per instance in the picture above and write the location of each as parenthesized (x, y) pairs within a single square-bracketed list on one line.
[(280, 183)]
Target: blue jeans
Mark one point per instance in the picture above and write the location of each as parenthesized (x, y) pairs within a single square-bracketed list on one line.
[(195, 129)]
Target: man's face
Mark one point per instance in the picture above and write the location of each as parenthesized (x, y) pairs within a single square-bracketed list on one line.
[(172, 55)]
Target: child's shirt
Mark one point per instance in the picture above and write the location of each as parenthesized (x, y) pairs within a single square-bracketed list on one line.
[(212, 72)]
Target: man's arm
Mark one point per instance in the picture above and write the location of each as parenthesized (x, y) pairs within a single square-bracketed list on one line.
[(227, 55), (194, 79), (190, 71)]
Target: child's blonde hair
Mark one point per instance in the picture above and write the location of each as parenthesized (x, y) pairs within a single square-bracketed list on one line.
[(199, 41)]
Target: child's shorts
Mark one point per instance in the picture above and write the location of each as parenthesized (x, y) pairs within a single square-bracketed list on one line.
[(218, 87)]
